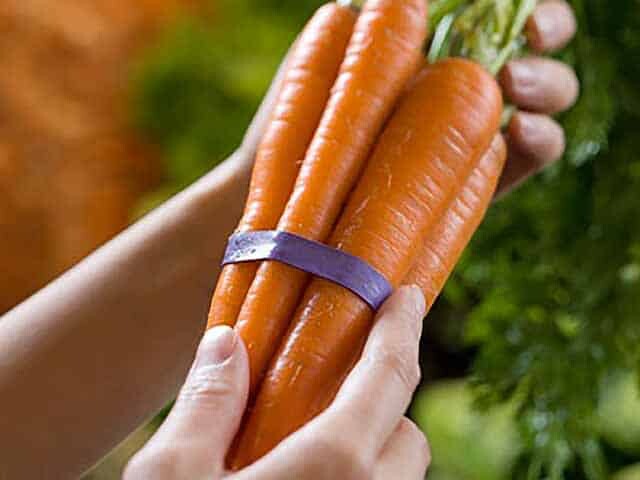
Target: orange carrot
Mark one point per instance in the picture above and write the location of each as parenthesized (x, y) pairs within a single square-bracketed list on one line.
[(383, 54), (310, 73), (437, 135), (446, 242)]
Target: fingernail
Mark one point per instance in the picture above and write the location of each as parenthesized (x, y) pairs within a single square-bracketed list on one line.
[(217, 346)]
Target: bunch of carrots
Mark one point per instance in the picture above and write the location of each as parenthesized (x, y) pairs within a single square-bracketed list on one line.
[(377, 152)]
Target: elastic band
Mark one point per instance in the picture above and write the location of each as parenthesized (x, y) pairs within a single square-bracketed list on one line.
[(316, 258)]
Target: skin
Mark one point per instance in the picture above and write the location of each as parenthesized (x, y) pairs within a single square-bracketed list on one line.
[(105, 346), (539, 87), (339, 443)]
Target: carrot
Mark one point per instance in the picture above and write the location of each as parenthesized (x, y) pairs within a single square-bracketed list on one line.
[(310, 73), (446, 242), (383, 54), (437, 135)]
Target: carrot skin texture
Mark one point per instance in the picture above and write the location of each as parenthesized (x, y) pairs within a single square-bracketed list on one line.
[(311, 72), (383, 54), (445, 243), (436, 136)]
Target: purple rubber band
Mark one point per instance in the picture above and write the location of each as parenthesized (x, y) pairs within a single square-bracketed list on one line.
[(316, 258)]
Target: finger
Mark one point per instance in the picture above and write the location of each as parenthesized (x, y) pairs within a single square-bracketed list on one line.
[(194, 439), (377, 392), (406, 454), (551, 26), (534, 142), (539, 84), (536, 136), (349, 435)]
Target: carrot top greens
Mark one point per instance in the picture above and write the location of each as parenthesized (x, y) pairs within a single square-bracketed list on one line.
[(487, 31)]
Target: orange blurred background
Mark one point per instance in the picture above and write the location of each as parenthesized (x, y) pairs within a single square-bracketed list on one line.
[(70, 167)]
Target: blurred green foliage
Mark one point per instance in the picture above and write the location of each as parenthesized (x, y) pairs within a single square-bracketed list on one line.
[(470, 444), (551, 281), (619, 413), (549, 285), (629, 473), (489, 440), (196, 90)]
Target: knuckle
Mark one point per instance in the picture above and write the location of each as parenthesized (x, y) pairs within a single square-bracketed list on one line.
[(206, 385)]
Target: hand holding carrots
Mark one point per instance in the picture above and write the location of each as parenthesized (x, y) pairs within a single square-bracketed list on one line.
[(539, 87), (340, 443), (399, 171)]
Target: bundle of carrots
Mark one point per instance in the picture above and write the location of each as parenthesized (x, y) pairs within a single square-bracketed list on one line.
[(374, 152)]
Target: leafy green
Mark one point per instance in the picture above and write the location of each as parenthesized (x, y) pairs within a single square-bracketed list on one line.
[(487, 31), (629, 473), (555, 269), (619, 413), (196, 90)]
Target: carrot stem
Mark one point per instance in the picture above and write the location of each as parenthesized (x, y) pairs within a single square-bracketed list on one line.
[(439, 42), (489, 32), (507, 114), (438, 10), (515, 40)]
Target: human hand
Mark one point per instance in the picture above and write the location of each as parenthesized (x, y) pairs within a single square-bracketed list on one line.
[(539, 87), (363, 433)]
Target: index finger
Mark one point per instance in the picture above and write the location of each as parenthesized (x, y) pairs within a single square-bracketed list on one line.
[(551, 26), (378, 391)]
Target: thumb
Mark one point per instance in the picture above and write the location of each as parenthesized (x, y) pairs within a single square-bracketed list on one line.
[(208, 410)]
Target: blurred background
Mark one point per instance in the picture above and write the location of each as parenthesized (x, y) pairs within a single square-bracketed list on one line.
[(530, 357)]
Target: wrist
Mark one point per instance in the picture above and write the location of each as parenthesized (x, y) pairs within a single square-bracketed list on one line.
[(222, 191), (240, 163)]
